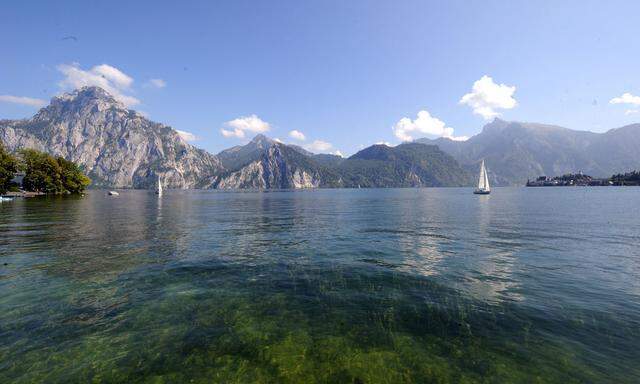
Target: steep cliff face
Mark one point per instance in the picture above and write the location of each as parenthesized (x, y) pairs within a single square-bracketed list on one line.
[(270, 165), (117, 147)]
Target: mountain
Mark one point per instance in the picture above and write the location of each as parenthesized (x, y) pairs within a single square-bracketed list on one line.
[(516, 151), (406, 165), (115, 146), (118, 147), (241, 155), (264, 163)]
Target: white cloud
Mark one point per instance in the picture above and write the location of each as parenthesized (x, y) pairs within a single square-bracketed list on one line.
[(156, 83), (297, 135), (631, 111), (424, 124), (114, 75), (338, 153), (318, 146), (109, 78), (388, 144), (186, 136), (238, 127), (486, 97), (30, 101), (626, 98), (232, 133), (458, 138), (278, 140)]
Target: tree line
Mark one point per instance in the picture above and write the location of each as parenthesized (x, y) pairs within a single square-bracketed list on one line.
[(629, 178), (42, 172)]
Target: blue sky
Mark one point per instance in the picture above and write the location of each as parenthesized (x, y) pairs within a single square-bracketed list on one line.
[(345, 74)]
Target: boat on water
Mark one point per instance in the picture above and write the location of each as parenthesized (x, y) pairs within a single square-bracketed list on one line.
[(4, 198), (113, 193), (159, 188), (483, 182)]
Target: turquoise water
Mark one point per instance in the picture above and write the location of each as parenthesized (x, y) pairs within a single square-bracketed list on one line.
[(329, 286)]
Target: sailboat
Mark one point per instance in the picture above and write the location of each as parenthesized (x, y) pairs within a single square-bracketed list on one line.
[(159, 188), (483, 182)]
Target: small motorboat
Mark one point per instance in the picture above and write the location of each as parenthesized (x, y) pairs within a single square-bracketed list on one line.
[(5, 198), (113, 193)]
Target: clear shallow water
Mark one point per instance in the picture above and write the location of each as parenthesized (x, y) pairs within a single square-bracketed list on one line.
[(356, 286)]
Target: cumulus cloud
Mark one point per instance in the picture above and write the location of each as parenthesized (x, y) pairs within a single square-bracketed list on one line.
[(240, 126), (111, 79), (297, 135), (30, 101), (232, 133), (424, 124), (114, 75), (186, 136), (156, 83), (486, 97), (626, 98), (319, 146)]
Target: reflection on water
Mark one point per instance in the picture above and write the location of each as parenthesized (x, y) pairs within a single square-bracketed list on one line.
[(412, 285)]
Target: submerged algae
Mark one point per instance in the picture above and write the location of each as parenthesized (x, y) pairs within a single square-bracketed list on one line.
[(373, 328)]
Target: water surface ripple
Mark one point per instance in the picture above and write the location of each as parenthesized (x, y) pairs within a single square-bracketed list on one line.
[(354, 286)]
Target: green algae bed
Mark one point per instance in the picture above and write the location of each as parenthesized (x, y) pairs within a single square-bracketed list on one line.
[(336, 327)]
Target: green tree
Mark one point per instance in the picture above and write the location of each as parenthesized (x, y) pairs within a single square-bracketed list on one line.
[(73, 180), (44, 173), (8, 168)]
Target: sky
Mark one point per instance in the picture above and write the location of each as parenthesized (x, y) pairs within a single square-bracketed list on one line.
[(332, 76)]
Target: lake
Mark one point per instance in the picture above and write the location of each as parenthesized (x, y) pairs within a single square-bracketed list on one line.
[(329, 286)]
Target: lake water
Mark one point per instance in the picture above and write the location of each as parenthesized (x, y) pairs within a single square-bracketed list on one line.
[(332, 286)]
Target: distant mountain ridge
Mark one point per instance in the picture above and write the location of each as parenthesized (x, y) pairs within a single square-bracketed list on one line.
[(265, 163), (118, 147), (516, 151)]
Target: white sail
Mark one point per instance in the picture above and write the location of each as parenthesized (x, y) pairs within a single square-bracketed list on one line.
[(486, 178), (159, 187), (482, 180)]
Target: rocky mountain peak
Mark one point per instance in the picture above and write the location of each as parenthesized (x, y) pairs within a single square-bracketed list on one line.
[(496, 125), (88, 96), (116, 146), (262, 141), (85, 101)]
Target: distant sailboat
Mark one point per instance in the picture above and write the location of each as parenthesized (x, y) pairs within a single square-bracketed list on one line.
[(483, 182), (159, 188)]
